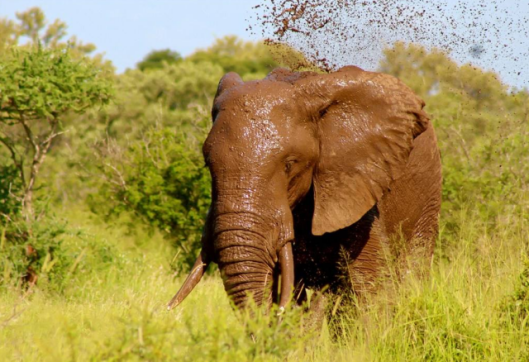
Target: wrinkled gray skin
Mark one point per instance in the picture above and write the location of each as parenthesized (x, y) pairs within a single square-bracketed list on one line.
[(318, 170)]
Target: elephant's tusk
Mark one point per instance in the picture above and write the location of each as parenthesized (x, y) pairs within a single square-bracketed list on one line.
[(286, 261), (191, 281)]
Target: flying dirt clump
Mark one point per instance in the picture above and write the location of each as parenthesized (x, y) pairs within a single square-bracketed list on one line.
[(333, 33)]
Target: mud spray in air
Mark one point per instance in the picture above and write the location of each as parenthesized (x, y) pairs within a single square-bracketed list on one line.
[(491, 34)]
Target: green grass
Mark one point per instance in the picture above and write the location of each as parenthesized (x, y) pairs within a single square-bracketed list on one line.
[(116, 311)]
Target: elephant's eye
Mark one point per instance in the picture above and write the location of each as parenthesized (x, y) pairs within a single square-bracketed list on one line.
[(288, 165)]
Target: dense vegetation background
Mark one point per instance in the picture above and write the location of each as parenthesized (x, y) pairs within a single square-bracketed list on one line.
[(103, 193)]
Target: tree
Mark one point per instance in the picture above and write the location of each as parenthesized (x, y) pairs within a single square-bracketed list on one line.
[(157, 58), (32, 29), (8, 34), (38, 87), (251, 60)]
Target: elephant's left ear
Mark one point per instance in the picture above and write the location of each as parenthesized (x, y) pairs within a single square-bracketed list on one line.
[(367, 123), (228, 81)]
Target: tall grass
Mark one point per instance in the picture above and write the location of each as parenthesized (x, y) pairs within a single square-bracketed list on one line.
[(466, 310)]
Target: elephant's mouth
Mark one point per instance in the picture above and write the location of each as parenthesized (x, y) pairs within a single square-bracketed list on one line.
[(286, 264)]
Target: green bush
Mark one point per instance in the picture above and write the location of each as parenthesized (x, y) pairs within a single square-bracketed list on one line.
[(162, 180), (31, 251), (250, 60), (165, 96), (50, 254), (157, 58), (10, 185)]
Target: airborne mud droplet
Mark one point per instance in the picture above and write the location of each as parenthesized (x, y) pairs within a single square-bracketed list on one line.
[(493, 35)]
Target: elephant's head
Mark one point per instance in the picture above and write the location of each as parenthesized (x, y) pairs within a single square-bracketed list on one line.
[(346, 134)]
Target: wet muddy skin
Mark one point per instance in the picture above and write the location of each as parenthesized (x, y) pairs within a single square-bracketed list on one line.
[(320, 179), (312, 174)]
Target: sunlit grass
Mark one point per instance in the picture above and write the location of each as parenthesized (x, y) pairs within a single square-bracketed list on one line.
[(118, 312)]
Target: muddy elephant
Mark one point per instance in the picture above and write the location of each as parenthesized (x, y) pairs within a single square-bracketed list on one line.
[(316, 177)]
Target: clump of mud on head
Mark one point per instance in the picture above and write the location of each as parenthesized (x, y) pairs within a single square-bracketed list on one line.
[(329, 34)]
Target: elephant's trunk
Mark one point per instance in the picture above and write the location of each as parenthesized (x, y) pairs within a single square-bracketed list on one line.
[(247, 246), (247, 252), (246, 265)]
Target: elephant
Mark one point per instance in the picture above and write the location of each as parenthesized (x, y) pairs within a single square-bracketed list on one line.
[(315, 178)]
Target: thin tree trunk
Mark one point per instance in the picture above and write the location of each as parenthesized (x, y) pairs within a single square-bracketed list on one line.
[(40, 151)]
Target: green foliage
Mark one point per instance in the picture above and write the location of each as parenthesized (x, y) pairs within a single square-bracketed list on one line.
[(45, 71), (103, 282), (163, 180), (40, 83), (32, 29), (51, 255), (157, 58), (38, 86), (168, 96), (250, 60), (34, 252), (10, 185), (33, 21), (8, 34), (179, 85)]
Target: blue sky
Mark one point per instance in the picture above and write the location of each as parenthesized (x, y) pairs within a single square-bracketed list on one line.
[(126, 30)]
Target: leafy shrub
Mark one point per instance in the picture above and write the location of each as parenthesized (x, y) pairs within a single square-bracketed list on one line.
[(50, 254), (9, 185), (163, 181), (250, 60), (33, 251), (157, 58), (164, 96)]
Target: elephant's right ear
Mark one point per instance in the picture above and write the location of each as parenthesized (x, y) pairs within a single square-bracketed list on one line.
[(366, 124), (229, 80)]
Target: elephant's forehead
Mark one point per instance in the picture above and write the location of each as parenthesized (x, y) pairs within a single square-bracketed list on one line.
[(252, 124), (258, 98), (251, 139), (264, 134)]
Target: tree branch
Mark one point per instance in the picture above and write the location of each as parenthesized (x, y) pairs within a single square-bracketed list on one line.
[(29, 133), (19, 164), (121, 182), (40, 151), (50, 138)]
